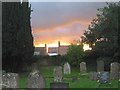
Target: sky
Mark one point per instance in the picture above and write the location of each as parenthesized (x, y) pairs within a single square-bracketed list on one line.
[(61, 21)]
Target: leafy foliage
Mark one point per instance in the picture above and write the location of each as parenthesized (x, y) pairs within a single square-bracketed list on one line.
[(75, 54), (103, 31)]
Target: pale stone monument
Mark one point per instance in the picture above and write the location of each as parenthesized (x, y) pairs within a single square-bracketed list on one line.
[(67, 68), (35, 80), (10, 80), (100, 66), (83, 67), (93, 75), (114, 70), (57, 71)]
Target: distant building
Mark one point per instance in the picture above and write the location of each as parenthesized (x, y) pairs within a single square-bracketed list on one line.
[(40, 51), (60, 50), (53, 50)]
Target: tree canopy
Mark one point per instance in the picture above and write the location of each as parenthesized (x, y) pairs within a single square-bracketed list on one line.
[(103, 31), (75, 54), (17, 40)]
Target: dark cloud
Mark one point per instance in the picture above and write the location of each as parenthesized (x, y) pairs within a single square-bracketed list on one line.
[(51, 13)]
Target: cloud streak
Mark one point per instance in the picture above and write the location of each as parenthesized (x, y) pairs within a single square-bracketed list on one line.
[(65, 21)]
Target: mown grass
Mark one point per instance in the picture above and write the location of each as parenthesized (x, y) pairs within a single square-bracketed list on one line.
[(82, 82)]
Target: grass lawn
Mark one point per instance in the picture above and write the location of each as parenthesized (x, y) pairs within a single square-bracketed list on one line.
[(82, 82)]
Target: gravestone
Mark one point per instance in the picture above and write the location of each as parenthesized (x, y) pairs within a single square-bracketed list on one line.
[(93, 75), (119, 76), (104, 78), (67, 69), (100, 66), (59, 85), (57, 71), (114, 70), (83, 67), (35, 80), (10, 80)]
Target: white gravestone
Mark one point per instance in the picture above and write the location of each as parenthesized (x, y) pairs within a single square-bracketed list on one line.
[(83, 67), (67, 69)]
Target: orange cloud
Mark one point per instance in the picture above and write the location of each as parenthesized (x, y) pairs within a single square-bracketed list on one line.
[(66, 33)]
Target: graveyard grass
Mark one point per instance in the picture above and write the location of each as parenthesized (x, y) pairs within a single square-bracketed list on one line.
[(82, 82)]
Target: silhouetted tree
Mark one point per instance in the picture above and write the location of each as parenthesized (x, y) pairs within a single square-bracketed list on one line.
[(17, 40)]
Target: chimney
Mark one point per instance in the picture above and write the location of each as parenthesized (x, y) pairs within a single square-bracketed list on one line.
[(45, 45), (58, 43), (46, 49)]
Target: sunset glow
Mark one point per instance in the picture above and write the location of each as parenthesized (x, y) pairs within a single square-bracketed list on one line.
[(64, 22), (86, 47)]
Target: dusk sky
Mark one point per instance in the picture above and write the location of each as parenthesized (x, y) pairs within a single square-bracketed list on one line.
[(61, 21)]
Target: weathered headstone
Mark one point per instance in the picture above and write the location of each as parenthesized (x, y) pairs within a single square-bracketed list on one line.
[(35, 80), (83, 67), (57, 74), (114, 70), (10, 80), (67, 68), (93, 75), (100, 66)]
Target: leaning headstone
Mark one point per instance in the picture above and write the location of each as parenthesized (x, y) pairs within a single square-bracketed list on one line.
[(10, 80), (93, 76), (57, 71), (114, 70), (83, 67), (100, 66), (35, 80), (67, 69)]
